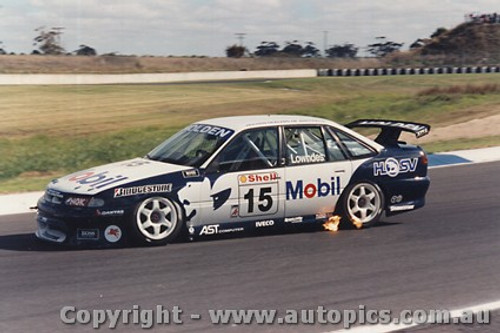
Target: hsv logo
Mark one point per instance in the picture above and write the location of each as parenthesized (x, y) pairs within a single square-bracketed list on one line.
[(319, 189), (258, 178), (392, 167), (95, 180)]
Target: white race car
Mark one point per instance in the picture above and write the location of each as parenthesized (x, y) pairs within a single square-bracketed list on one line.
[(228, 175)]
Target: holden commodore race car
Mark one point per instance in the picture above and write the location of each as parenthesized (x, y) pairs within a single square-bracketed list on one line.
[(228, 175)]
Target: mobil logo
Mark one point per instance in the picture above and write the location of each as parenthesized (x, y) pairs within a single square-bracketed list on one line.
[(320, 188), (95, 180)]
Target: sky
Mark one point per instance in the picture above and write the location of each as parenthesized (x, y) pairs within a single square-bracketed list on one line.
[(208, 27)]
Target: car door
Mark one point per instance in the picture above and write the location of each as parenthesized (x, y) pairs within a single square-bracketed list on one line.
[(316, 171), (245, 183)]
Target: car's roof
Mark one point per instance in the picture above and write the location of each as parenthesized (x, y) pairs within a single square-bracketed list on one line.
[(238, 123)]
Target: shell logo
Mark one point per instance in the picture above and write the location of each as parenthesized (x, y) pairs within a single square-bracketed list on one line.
[(243, 179)]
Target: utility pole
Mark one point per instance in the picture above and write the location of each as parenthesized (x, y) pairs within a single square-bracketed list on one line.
[(241, 37), (58, 31), (325, 42)]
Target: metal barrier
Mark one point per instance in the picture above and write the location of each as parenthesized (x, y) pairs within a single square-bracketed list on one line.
[(408, 71)]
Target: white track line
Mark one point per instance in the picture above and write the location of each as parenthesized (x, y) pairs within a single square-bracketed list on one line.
[(379, 328)]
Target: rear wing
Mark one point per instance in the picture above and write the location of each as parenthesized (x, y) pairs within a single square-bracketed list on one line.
[(391, 129)]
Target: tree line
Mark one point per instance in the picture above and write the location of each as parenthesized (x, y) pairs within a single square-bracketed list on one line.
[(380, 48), (48, 42)]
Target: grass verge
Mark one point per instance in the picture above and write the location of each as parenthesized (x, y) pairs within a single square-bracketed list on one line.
[(48, 131)]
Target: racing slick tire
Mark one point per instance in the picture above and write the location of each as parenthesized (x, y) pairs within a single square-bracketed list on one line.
[(362, 204), (156, 221)]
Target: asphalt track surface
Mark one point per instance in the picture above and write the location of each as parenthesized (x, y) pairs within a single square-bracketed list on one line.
[(445, 255)]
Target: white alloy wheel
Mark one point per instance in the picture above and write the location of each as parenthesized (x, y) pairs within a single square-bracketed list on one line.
[(364, 203), (156, 218)]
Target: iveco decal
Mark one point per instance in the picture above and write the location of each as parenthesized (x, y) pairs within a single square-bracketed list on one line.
[(311, 190), (392, 167)]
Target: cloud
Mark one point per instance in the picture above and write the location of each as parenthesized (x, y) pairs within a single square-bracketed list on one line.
[(207, 27)]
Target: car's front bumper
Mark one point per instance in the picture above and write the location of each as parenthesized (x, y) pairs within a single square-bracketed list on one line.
[(80, 227)]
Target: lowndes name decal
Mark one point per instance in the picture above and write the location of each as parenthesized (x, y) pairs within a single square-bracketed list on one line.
[(129, 191), (313, 158), (209, 129)]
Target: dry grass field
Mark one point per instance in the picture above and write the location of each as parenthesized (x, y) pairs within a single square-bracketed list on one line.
[(47, 131), (10, 64)]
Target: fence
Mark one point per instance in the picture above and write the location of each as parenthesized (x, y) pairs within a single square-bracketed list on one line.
[(408, 71)]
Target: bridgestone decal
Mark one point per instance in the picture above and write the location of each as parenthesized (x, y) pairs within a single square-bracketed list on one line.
[(129, 191)]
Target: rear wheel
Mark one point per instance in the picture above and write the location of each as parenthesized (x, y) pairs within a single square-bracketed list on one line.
[(157, 220), (363, 204)]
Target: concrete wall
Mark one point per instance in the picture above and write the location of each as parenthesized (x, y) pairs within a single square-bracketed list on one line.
[(50, 79)]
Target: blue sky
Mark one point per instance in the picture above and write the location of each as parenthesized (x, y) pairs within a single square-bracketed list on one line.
[(207, 27)]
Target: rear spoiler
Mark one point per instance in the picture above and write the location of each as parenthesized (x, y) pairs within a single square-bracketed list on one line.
[(391, 129)]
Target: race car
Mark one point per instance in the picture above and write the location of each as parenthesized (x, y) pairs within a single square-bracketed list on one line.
[(234, 174)]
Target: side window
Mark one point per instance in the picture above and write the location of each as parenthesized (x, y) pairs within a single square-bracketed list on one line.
[(304, 145), (356, 148), (250, 150), (334, 151)]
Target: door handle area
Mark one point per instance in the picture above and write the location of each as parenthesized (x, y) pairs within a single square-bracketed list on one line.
[(339, 171)]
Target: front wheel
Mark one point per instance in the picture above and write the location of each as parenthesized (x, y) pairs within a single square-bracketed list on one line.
[(156, 221), (363, 204)]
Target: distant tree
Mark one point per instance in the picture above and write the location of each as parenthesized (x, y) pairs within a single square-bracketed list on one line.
[(235, 51), (342, 51), (85, 50), (417, 44), (293, 49), (439, 32), (383, 47), (266, 49), (49, 42), (310, 50), (2, 51)]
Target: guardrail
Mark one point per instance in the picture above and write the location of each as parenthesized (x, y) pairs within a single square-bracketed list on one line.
[(408, 71), (52, 79)]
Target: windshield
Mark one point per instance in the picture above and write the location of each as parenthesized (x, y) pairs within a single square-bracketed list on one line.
[(192, 146)]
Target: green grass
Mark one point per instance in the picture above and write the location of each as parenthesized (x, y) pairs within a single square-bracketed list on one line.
[(28, 161), (48, 131)]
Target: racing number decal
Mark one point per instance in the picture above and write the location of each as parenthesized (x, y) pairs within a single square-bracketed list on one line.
[(265, 200), (258, 194)]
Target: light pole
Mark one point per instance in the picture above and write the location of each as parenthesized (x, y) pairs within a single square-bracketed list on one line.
[(325, 42), (241, 37)]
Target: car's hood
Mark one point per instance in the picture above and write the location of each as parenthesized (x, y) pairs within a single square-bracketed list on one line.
[(104, 177)]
